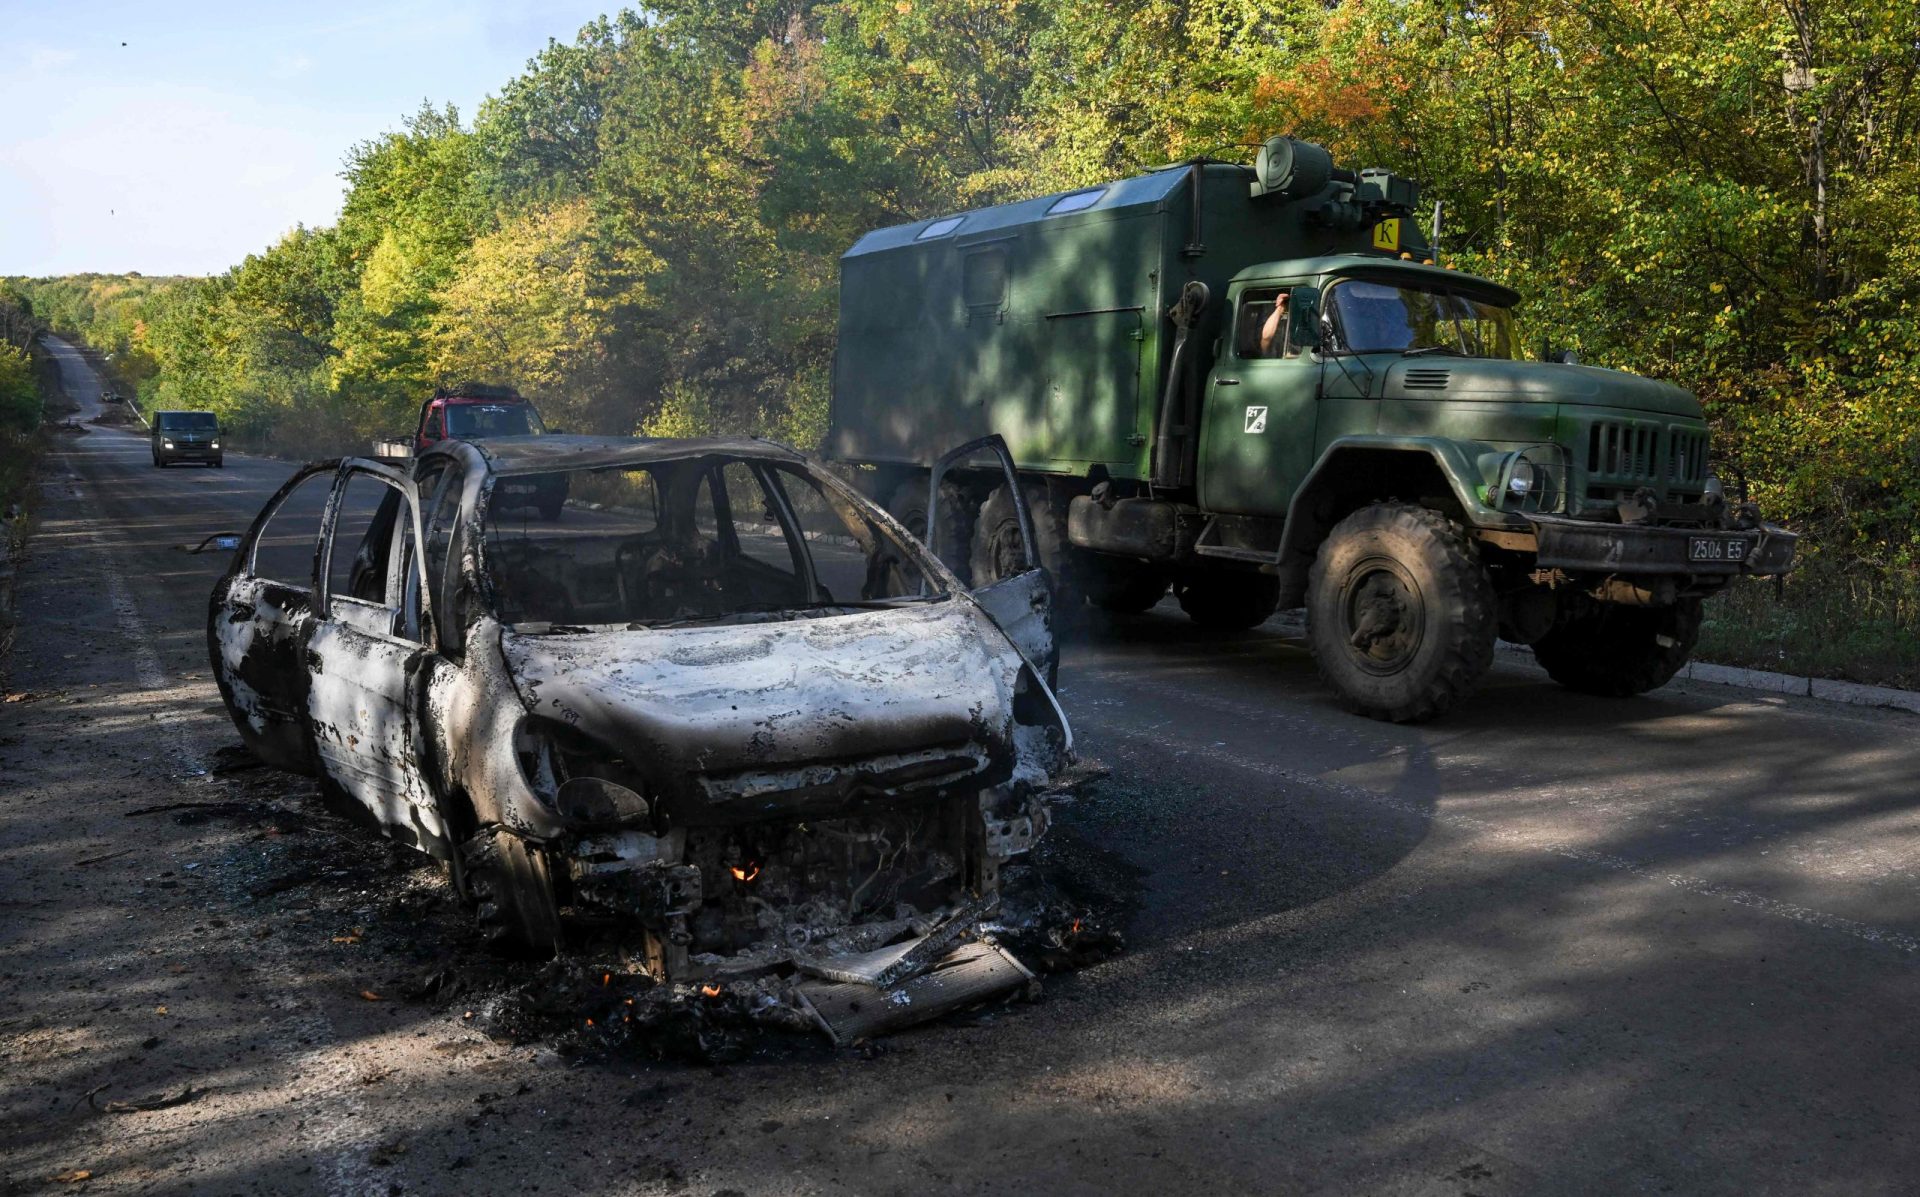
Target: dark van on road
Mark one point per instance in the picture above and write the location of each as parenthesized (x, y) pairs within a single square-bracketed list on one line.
[(187, 436)]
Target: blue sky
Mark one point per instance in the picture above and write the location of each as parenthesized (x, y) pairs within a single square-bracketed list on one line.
[(219, 126)]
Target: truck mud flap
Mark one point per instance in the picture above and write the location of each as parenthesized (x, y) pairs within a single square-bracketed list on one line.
[(849, 1011)]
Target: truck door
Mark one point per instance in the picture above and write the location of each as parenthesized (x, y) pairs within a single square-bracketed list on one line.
[(1021, 603), (1093, 384), (1260, 409), (367, 656), (261, 616)]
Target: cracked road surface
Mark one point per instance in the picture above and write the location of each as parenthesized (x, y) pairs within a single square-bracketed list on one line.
[(1551, 944)]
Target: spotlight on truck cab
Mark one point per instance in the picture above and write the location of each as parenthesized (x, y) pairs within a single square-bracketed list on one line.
[(1291, 169)]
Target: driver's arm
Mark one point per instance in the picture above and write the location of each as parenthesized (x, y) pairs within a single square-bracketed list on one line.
[(1270, 331)]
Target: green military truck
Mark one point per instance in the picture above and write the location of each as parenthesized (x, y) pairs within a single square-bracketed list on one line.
[(1255, 386)]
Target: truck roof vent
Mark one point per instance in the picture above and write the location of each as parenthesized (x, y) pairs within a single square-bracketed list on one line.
[(1427, 379)]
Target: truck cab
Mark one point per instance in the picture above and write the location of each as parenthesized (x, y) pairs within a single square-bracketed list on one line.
[(1259, 387)]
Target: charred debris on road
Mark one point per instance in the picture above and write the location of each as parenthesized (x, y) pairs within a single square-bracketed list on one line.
[(323, 876)]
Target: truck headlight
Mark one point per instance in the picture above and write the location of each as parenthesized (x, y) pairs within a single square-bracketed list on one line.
[(166, 444), (1524, 478), (214, 445)]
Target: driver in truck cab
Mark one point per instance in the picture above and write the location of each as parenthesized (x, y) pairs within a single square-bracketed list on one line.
[(1265, 338)]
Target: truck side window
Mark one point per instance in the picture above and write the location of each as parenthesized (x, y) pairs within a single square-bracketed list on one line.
[(1256, 334), (984, 278)]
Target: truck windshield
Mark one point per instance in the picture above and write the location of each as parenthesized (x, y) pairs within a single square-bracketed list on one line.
[(1372, 317), (473, 421), (697, 540), (189, 421)]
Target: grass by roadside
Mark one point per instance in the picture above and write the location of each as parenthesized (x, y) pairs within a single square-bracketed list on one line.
[(20, 454), (21, 450), (1850, 625)]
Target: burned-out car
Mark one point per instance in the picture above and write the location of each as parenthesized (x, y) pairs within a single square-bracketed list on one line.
[(722, 701)]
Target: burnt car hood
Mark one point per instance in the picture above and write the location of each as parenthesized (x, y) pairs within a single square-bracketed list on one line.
[(799, 716)]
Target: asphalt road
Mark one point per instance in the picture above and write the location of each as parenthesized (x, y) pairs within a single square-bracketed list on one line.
[(1551, 944)]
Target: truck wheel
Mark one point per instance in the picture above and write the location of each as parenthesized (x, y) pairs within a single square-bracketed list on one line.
[(996, 546), (1617, 651), (1400, 616), (512, 894), (1227, 599), (909, 505), (1128, 587)]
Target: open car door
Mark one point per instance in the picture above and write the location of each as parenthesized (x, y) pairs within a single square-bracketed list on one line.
[(367, 653), (1021, 603), (260, 618)]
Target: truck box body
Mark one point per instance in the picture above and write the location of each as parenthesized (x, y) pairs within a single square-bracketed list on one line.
[(1046, 320)]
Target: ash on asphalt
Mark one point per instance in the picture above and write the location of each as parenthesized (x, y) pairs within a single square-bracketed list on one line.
[(321, 871)]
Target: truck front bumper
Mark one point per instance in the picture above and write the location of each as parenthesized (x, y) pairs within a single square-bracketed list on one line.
[(1588, 546)]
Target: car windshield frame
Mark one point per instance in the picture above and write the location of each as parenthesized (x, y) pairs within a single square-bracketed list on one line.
[(505, 512), (1455, 320)]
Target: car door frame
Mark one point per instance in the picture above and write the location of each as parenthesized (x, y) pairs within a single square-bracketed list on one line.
[(257, 634), (367, 731), (1020, 605)]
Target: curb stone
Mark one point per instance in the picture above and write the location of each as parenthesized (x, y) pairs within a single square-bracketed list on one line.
[(1850, 693)]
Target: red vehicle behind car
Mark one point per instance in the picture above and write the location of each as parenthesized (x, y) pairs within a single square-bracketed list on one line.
[(476, 411), (472, 411)]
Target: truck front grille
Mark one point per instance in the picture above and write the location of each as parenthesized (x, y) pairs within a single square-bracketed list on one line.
[(1687, 459), (1632, 453)]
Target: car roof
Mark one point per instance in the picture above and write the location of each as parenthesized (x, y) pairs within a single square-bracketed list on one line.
[(549, 454), (498, 400)]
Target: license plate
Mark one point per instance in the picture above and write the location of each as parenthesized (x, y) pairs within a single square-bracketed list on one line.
[(1716, 548)]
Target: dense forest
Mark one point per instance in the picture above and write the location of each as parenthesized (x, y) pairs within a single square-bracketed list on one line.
[(641, 230)]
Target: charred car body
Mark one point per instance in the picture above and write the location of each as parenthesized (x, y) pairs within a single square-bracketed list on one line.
[(726, 700)]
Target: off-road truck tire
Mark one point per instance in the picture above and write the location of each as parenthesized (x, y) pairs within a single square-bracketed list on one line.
[(1127, 587), (1400, 616), (1617, 651), (908, 504), (512, 895), (996, 540), (1227, 600)]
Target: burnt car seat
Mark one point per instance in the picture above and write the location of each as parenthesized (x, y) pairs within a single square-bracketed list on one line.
[(677, 580)]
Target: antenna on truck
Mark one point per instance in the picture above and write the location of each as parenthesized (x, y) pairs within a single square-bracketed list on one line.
[(1433, 242)]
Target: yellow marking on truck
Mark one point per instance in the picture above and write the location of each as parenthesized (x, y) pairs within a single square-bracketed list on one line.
[(1386, 235)]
